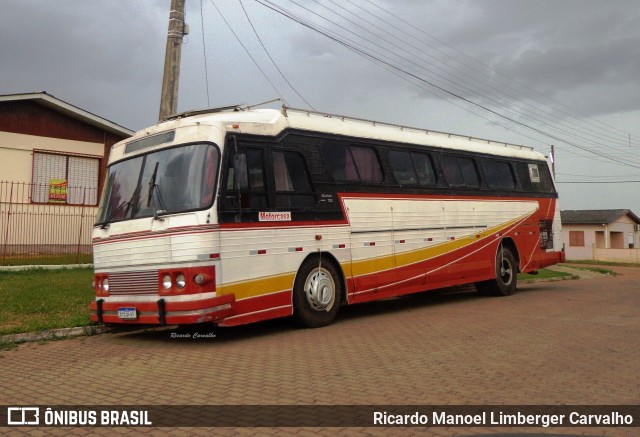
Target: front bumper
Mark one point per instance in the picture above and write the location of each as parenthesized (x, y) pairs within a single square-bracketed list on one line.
[(165, 312)]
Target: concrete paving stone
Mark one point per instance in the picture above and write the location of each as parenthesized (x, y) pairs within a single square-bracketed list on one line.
[(568, 342)]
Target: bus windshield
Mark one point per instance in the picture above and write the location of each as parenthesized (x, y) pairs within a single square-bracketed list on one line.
[(167, 181)]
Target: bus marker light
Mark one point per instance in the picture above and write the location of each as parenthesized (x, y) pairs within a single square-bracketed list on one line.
[(214, 256), (201, 279), (318, 237)]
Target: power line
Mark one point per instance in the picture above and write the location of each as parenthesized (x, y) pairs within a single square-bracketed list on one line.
[(271, 58), (377, 58), (249, 53), (493, 95), (495, 92), (484, 66), (204, 53)]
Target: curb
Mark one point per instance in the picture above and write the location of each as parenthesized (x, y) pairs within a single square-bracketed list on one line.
[(53, 334)]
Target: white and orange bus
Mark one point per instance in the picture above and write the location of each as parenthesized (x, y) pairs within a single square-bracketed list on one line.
[(233, 216)]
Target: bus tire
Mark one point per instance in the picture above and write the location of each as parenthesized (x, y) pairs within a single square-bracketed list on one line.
[(506, 275), (317, 293)]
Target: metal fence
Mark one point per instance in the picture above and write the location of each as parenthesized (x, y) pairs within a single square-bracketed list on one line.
[(52, 232)]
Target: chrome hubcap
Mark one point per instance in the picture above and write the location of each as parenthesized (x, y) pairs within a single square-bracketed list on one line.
[(320, 290), (506, 272)]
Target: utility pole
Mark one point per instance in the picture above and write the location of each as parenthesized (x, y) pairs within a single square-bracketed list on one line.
[(171, 78)]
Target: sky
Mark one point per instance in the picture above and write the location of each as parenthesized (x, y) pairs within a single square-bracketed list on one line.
[(536, 73)]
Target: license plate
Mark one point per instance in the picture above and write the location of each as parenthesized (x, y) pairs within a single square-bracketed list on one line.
[(127, 313)]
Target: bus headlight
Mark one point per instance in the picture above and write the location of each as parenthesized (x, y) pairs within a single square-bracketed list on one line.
[(181, 282), (105, 284), (166, 282)]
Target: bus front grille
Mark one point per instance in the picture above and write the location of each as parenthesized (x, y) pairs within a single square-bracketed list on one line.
[(133, 283)]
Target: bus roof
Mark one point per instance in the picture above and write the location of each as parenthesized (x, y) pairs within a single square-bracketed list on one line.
[(271, 122)]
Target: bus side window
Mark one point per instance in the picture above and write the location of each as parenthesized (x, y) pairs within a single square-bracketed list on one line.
[(424, 168), (352, 163), (245, 180), (534, 177), (366, 161), (292, 182), (412, 168), (340, 162), (459, 171), (451, 171), (402, 168), (240, 177), (498, 174)]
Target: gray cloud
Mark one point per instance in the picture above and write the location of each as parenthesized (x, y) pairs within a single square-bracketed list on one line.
[(106, 56)]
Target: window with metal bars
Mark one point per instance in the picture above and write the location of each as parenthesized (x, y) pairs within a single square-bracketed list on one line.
[(65, 179)]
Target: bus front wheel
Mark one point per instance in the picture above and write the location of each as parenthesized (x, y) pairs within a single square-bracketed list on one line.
[(316, 293), (506, 273)]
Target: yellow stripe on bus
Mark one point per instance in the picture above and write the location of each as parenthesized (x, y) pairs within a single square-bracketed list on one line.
[(258, 287), (277, 283), (387, 262)]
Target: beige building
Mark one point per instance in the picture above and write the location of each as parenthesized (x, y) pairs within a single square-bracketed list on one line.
[(53, 158), (602, 234)]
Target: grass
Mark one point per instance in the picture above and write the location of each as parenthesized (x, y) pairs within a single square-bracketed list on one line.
[(597, 270), (36, 300), (599, 263), (59, 259), (543, 274)]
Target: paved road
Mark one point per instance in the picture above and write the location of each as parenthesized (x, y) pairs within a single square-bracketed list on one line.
[(566, 342)]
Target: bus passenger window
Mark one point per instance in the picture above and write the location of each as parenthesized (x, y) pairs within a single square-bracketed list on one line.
[(424, 168), (498, 174), (459, 171), (451, 171), (402, 168), (281, 173), (412, 168), (534, 177), (293, 186), (246, 176), (352, 163), (367, 164)]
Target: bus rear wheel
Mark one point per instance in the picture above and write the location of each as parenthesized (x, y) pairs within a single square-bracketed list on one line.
[(317, 293), (506, 273)]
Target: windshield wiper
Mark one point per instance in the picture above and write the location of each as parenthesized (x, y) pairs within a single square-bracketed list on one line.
[(153, 187), (124, 203)]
